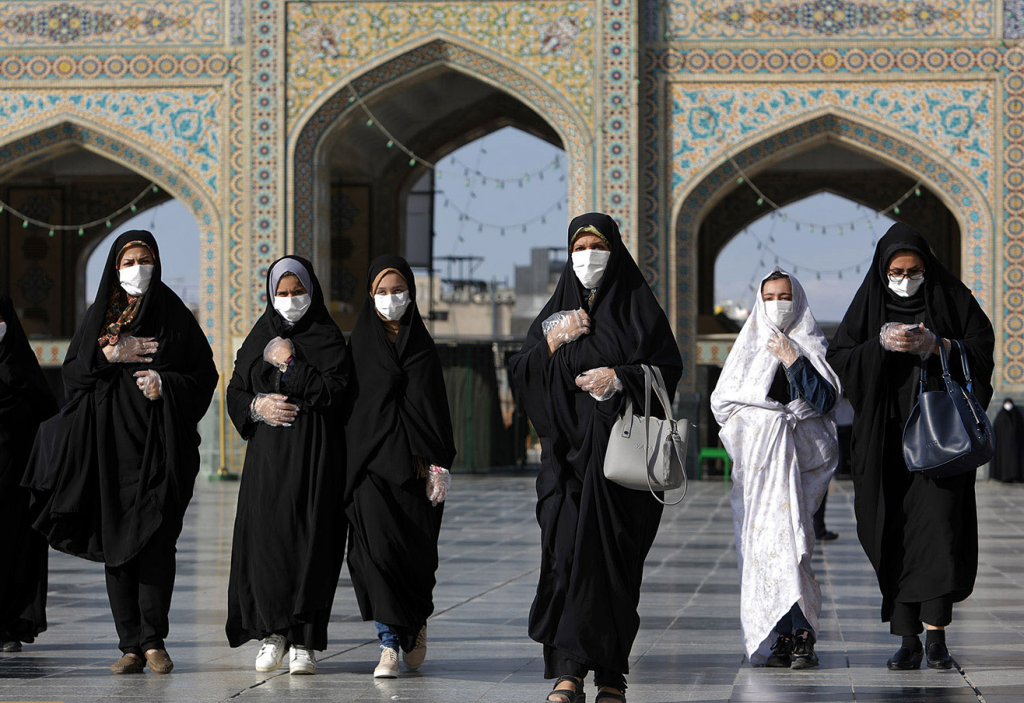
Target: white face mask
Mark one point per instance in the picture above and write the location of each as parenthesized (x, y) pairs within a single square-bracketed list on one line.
[(1007, 406), (906, 287), (3, 330), (135, 279), (589, 266), (392, 307), (292, 308), (780, 312)]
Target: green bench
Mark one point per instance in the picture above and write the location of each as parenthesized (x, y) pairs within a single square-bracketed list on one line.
[(713, 453)]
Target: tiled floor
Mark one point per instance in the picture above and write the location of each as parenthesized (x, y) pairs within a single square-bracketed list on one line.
[(688, 648)]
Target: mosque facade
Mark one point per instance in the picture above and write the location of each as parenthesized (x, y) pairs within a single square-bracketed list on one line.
[(663, 108)]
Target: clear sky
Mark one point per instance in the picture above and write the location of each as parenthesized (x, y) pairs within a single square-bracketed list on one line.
[(178, 236), (805, 254), (469, 214)]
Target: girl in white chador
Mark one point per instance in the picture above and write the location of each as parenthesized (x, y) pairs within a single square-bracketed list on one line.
[(774, 402)]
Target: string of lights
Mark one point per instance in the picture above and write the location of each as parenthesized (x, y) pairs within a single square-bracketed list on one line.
[(541, 218), (53, 228), (795, 267), (777, 210)]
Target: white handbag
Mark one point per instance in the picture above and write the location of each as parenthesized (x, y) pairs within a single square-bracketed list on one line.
[(644, 452)]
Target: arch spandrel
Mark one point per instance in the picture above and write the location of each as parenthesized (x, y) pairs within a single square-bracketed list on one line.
[(145, 159), (335, 108), (966, 197)]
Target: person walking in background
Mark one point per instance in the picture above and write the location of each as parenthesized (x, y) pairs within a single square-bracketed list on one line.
[(920, 533), (400, 448), (581, 359), (113, 473), (25, 401), (1008, 463), (774, 401), (285, 399), (843, 415)]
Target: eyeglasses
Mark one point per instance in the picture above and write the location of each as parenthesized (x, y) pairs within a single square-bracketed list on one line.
[(913, 275)]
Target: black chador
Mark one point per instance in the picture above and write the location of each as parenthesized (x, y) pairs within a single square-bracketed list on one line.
[(595, 534), (920, 534), (113, 473), (398, 424), (25, 401), (1008, 463), (289, 532)]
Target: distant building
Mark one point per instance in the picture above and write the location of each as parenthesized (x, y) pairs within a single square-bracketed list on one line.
[(467, 309), (534, 285)]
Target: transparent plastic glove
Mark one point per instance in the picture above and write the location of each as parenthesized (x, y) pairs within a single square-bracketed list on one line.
[(278, 350), (782, 349), (273, 409), (601, 383), (439, 481), (131, 350), (912, 339), (565, 326), (150, 383)]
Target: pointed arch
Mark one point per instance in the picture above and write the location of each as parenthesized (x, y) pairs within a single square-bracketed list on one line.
[(439, 49), (959, 193), (23, 146)]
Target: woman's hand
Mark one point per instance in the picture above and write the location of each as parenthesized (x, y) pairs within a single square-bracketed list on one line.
[(131, 350), (273, 409), (602, 383), (278, 351), (150, 383), (564, 327), (782, 349), (439, 481), (912, 339)]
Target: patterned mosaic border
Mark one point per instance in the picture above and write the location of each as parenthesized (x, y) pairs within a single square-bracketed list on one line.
[(62, 67), (842, 20), (338, 110), (32, 23)]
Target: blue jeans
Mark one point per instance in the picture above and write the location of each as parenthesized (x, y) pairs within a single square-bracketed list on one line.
[(387, 636), (792, 622)]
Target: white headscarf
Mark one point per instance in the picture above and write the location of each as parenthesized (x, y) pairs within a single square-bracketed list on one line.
[(783, 459), (750, 368)]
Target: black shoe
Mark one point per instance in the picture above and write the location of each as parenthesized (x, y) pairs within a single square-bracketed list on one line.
[(938, 656), (803, 654), (827, 536), (576, 695), (905, 659), (11, 646), (781, 650)]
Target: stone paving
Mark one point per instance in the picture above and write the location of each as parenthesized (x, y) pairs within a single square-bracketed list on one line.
[(688, 648)]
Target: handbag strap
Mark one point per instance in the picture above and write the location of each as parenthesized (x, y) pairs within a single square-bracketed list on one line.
[(653, 378), (964, 362)]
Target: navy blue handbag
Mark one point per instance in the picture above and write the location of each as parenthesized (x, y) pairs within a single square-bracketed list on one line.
[(948, 432)]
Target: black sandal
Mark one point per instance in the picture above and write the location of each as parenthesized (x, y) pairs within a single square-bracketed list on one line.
[(577, 696), (608, 696)]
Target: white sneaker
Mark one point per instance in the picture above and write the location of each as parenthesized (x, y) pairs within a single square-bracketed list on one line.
[(414, 658), (388, 666), (303, 660), (271, 653)]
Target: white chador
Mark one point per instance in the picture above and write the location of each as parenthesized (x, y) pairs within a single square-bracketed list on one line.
[(783, 459)]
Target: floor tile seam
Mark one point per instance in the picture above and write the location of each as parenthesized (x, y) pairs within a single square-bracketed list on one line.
[(693, 596), (839, 623), (694, 534)]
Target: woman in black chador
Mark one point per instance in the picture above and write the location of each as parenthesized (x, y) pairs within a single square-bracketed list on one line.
[(285, 398), (25, 401), (580, 362), (1008, 463), (113, 473), (400, 447), (921, 534)]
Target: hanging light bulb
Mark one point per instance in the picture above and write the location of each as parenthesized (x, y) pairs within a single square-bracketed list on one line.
[(81, 232), (24, 224), (896, 210), (760, 201), (51, 233), (134, 208), (917, 192), (390, 144)]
